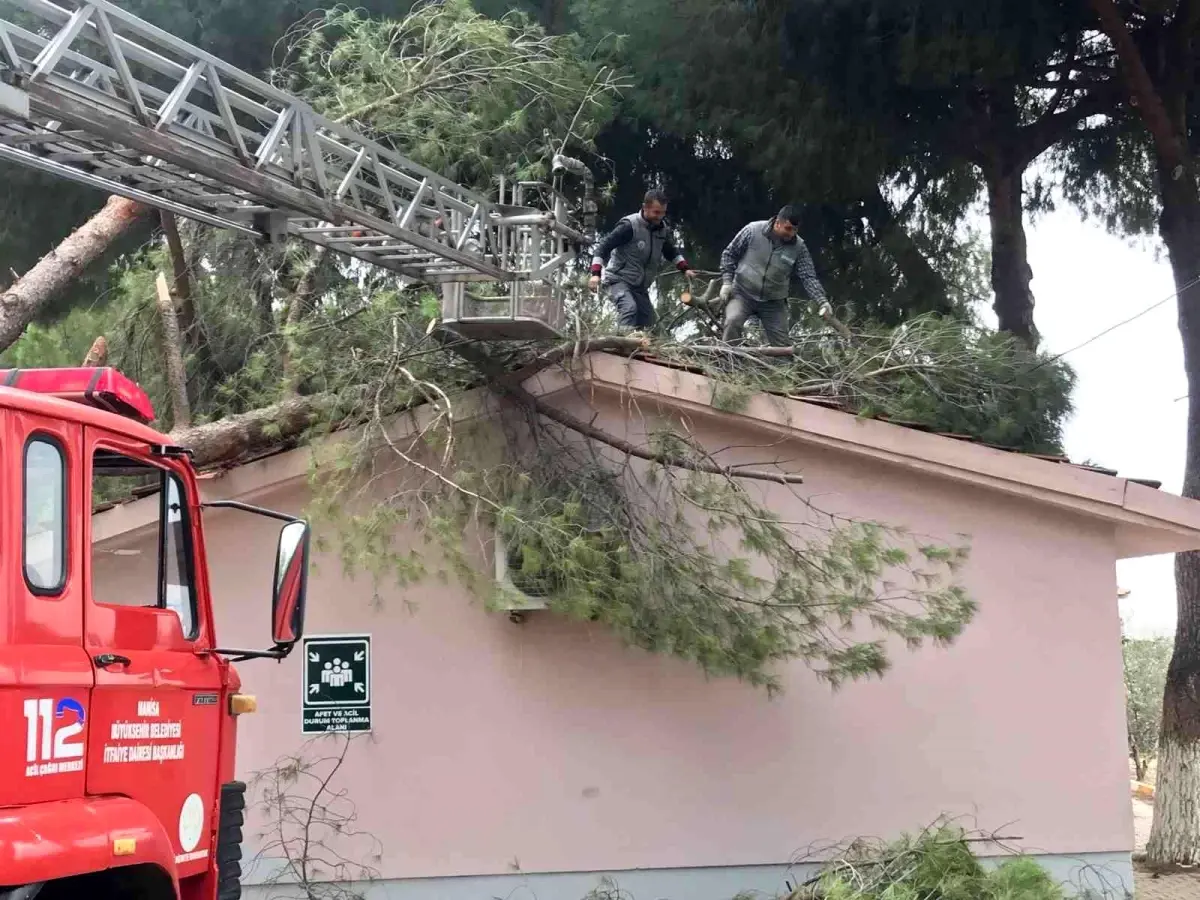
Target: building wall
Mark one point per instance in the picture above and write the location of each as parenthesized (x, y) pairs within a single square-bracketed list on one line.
[(547, 747)]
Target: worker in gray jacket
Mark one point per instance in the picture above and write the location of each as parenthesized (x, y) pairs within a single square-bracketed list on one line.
[(629, 257), (757, 269)]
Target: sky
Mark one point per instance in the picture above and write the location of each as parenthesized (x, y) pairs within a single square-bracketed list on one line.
[(1128, 415)]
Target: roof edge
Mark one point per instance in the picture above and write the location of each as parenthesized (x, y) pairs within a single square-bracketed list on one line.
[(1148, 521)]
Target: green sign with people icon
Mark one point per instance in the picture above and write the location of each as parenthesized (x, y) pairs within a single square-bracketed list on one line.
[(337, 683)]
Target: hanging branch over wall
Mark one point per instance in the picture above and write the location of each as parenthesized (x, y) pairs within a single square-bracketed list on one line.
[(662, 542)]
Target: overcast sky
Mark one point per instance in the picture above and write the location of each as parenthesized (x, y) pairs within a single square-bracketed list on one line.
[(1127, 414)]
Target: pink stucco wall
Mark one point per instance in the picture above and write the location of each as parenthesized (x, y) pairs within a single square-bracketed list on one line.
[(551, 746)]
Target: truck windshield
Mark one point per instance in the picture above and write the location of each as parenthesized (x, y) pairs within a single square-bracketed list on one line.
[(148, 566)]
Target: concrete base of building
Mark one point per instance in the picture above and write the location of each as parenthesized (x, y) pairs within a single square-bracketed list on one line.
[(1088, 876)]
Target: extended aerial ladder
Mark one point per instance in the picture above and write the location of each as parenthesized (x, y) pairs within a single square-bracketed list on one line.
[(92, 93)]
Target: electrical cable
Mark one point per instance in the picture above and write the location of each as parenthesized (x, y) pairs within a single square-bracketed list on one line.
[(1124, 322)]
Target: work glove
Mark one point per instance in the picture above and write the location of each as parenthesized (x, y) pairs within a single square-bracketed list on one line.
[(826, 310), (726, 292)]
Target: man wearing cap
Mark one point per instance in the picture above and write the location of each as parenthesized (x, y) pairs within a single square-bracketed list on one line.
[(757, 269), (629, 256)]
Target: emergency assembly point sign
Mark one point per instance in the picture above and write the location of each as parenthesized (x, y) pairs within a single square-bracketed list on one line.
[(337, 683)]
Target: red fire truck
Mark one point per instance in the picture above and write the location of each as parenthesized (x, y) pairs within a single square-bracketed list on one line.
[(117, 780)]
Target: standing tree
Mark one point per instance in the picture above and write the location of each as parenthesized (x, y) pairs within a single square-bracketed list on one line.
[(991, 85), (1145, 675), (1157, 47)]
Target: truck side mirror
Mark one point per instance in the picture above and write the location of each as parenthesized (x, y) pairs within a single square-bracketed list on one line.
[(291, 584)]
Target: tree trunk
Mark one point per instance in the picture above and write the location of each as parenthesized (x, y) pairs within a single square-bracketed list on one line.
[(1175, 834), (926, 282), (29, 294), (304, 297), (261, 429), (1011, 273), (554, 14), (194, 338), (181, 279), (1139, 764)]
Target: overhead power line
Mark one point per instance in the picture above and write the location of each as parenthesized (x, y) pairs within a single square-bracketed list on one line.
[(1111, 328)]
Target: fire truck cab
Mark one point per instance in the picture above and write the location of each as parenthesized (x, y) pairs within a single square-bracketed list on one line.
[(117, 779)]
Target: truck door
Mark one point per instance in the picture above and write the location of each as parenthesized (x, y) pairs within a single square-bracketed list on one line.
[(45, 675), (156, 705)]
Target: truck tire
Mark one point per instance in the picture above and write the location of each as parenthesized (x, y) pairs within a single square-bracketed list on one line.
[(229, 840), (137, 882)]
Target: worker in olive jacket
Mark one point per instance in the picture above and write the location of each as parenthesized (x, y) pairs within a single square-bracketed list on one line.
[(757, 269), (629, 257)]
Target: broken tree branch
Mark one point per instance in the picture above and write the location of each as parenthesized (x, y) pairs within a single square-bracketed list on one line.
[(251, 432), (98, 354), (181, 279), (29, 294), (181, 408), (304, 297), (498, 380), (284, 422), (192, 333)]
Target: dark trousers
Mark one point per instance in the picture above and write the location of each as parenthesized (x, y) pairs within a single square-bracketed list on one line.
[(634, 309), (773, 315)]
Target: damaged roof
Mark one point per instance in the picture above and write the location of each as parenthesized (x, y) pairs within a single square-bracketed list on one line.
[(650, 358)]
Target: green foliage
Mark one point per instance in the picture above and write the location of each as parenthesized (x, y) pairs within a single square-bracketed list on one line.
[(674, 561), (677, 562), (467, 96), (62, 343), (936, 864), (937, 374), (246, 35), (129, 320), (1109, 173), (1146, 664)]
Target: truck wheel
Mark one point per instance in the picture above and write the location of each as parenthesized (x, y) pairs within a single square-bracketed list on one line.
[(142, 882)]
